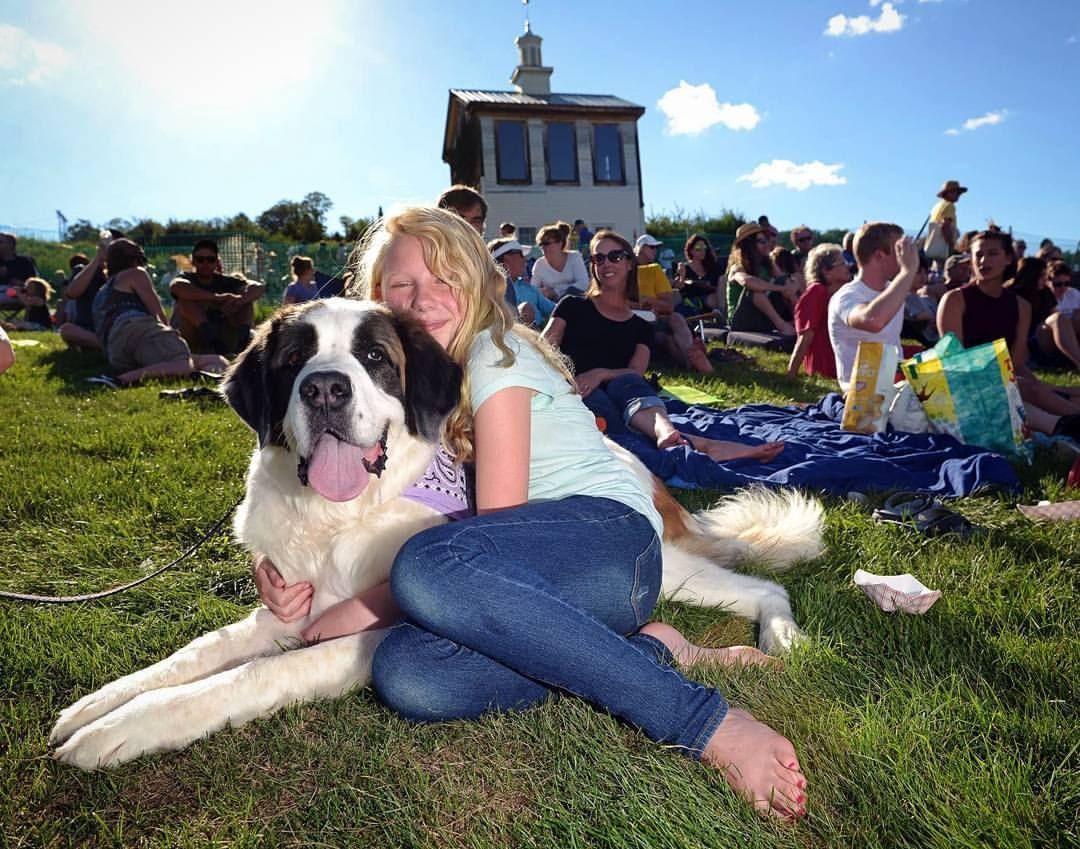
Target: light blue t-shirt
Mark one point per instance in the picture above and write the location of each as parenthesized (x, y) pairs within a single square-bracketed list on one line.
[(567, 452)]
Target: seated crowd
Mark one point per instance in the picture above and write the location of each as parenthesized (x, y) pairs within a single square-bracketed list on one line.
[(612, 306)]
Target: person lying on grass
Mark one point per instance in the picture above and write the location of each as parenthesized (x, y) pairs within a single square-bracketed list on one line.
[(131, 326), (482, 633)]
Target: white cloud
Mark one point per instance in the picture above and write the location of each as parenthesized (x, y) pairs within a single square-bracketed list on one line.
[(692, 109), (987, 120), (784, 172), (889, 20), (26, 61)]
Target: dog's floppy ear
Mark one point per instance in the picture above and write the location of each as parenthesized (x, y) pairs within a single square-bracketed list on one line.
[(432, 381), (245, 389)]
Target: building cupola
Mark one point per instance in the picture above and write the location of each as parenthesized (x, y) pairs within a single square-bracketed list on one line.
[(530, 76)]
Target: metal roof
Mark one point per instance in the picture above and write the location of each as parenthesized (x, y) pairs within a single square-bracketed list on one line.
[(514, 98)]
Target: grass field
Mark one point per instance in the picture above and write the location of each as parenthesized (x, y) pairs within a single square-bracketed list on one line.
[(955, 729)]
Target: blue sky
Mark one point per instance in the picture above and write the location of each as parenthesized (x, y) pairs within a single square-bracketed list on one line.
[(828, 112)]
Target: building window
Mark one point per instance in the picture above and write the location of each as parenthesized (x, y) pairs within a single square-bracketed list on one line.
[(561, 152), (511, 152), (527, 237), (607, 154)]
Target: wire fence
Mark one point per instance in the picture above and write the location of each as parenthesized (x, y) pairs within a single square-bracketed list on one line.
[(256, 259)]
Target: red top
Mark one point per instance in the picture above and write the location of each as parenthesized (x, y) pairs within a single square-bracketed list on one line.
[(812, 313)]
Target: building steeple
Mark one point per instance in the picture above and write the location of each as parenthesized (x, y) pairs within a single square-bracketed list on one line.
[(530, 76)]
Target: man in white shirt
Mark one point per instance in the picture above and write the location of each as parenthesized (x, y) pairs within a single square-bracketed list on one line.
[(871, 307), (1068, 298)]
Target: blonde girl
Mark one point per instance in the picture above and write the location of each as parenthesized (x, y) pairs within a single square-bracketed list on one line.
[(549, 587)]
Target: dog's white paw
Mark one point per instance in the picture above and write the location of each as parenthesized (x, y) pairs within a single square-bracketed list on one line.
[(103, 743), (141, 726), (778, 635), (89, 708)]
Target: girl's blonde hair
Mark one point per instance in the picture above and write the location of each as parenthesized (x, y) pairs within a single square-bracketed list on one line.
[(38, 287), (456, 255)]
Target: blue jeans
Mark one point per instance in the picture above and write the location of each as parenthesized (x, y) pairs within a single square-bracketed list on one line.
[(506, 608), (620, 398)]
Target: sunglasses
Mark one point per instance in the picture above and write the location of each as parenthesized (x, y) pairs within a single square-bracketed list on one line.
[(805, 239), (204, 258), (1061, 284), (549, 244), (610, 256)]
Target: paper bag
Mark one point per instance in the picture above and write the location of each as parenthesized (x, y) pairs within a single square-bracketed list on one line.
[(870, 392)]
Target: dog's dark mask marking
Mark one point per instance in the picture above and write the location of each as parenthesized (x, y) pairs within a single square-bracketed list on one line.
[(259, 383), (432, 381), (401, 358)]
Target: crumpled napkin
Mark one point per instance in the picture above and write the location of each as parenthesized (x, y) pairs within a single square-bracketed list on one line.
[(897, 592), (1045, 510)]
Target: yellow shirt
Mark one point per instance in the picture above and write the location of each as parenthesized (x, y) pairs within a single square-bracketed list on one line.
[(651, 281), (943, 211)]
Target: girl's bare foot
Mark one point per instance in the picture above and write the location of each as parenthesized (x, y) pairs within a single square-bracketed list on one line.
[(759, 764), (688, 654)]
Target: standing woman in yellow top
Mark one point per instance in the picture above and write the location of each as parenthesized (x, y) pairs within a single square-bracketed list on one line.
[(941, 239)]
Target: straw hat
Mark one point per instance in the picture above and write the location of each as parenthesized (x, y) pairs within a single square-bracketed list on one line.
[(951, 186), (751, 228)]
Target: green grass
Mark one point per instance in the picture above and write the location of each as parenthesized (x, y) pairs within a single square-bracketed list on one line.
[(955, 729)]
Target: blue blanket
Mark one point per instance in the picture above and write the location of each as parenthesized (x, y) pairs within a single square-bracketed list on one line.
[(819, 456)]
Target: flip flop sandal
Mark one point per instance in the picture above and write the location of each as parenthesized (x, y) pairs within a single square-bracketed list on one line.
[(190, 393), (105, 380), (928, 515)]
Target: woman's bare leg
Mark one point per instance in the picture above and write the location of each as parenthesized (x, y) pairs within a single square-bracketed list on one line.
[(74, 335), (1059, 331), (174, 368)]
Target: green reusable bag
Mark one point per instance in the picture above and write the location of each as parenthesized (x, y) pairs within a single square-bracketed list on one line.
[(971, 394)]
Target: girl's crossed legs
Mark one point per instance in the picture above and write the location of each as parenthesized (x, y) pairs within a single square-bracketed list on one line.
[(510, 606)]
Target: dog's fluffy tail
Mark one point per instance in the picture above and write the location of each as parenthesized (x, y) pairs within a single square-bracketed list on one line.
[(771, 528)]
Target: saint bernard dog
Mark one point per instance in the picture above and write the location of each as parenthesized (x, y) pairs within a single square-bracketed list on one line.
[(348, 400)]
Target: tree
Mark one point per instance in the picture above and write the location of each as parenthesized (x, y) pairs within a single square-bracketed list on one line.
[(82, 231), (354, 228), (317, 205), (146, 230), (301, 221)]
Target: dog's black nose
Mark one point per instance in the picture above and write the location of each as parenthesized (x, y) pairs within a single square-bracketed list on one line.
[(328, 390)]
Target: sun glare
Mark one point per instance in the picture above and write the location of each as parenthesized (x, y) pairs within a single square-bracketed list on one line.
[(222, 58)]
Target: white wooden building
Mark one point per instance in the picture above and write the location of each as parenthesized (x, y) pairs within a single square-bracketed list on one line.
[(538, 157)]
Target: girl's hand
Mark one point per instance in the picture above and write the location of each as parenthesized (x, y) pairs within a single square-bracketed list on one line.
[(288, 602)]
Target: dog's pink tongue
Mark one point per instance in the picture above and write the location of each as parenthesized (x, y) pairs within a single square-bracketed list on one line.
[(336, 470)]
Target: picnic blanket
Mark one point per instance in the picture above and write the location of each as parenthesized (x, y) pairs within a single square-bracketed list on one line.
[(819, 456)]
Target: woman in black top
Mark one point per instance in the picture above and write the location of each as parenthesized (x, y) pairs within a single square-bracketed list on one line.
[(609, 348), (698, 279)]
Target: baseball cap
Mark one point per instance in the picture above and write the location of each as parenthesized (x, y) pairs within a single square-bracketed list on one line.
[(514, 245), (646, 240)]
